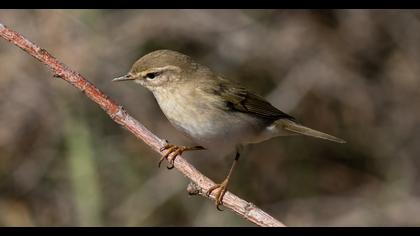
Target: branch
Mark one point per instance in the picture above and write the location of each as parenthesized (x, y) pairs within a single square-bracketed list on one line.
[(200, 183)]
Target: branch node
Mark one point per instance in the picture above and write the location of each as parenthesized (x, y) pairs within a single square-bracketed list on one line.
[(249, 206), (193, 189), (119, 113)]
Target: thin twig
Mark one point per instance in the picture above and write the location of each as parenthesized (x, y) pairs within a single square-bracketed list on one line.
[(201, 183)]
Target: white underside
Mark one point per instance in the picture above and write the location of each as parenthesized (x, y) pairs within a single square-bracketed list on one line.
[(218, 131)]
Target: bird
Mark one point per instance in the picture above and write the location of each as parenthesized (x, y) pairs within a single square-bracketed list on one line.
[(218, 114)]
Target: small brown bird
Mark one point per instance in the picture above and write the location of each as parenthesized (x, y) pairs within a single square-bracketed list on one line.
[(216, 113)]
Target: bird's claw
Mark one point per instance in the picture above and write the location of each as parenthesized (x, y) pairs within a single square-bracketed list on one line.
[(175, 151), (222, 189), (171, 149), (166, 146)]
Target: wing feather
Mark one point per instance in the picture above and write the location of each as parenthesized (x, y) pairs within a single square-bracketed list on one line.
[(239, 99)]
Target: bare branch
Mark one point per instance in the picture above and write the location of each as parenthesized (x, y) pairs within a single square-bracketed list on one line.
[(200, 182)]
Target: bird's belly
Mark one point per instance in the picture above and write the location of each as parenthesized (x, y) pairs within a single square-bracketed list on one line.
[(218, 130)]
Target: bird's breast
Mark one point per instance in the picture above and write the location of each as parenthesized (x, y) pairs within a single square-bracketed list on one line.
[(201, 118)]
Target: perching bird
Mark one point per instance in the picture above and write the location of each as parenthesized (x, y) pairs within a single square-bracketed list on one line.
[(217, 114)]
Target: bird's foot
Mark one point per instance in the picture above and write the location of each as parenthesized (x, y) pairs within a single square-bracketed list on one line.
[(175, 151), (221, 190)]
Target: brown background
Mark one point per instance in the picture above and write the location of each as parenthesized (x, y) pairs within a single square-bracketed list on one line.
[(351, 73)]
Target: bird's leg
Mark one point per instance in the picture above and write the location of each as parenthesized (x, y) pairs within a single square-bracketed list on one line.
[(222, 188), (175, 150)]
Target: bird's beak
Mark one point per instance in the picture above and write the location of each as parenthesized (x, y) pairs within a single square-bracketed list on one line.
[(123, 78)]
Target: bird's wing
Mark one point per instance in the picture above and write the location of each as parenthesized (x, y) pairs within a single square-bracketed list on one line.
[(240, 99)]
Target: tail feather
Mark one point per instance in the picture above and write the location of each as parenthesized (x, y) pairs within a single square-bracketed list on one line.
[(300, 129)]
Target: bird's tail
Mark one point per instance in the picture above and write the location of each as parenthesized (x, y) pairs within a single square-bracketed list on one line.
[(294, 127)]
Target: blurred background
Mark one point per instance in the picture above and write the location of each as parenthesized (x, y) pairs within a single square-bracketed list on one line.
[(350, 73)]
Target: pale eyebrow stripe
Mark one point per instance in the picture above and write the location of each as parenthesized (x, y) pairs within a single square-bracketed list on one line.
[(158, 69)]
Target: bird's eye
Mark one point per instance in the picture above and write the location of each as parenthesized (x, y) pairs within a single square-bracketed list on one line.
[(151, 75)]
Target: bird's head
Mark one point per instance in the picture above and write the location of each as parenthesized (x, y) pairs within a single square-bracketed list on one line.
[(160, 68)]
